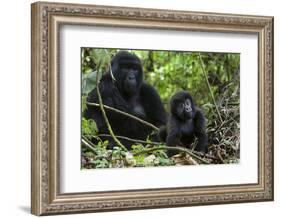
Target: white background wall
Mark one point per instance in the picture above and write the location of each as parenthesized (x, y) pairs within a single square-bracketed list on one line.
[(15, 108)]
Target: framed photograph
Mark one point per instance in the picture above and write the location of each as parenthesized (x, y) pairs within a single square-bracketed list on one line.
[(138, 108)]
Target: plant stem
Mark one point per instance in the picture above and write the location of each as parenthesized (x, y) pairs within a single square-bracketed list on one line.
[(207, 81), (88, 145), (124, 113), (105, 117), (132, 140)]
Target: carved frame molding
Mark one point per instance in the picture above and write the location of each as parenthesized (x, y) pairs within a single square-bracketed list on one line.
[(46, 19)]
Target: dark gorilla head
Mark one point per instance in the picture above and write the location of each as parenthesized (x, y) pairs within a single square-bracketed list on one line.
[(182, 105), (127, 70)]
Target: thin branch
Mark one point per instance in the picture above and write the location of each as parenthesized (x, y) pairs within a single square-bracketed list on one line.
[(109, 65), (207, 81), (105, 117), (132, 140), (126, 114), (88, 145), (185, 150)]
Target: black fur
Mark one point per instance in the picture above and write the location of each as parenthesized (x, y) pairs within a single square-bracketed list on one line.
[(126, 91), (185, 123)]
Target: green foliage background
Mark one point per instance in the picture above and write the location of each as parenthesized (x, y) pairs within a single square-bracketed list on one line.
[(171, 71)]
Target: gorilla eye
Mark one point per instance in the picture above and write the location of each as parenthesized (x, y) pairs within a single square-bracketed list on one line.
[(133, 67), (128, 67), (124, 67)]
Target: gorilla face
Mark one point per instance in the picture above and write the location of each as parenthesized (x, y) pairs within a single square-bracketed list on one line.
[(127, 71), (130, 81), (187, 109), (182, 106)]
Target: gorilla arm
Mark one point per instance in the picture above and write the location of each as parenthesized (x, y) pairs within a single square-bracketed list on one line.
[(153, 106), (200, 131), (110, 97)]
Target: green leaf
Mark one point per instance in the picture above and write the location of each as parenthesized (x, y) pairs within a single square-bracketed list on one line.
[(88, 82)]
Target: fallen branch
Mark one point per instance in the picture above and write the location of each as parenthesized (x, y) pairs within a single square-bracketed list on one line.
[(157, 143), (131, 140), (105, 117), (185, 150), (126, 114), (207, 81)]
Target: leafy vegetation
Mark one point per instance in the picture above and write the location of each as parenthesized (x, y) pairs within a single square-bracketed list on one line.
[(211, 78)]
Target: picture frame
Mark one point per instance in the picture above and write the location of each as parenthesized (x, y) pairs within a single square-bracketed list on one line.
[(47, 19)]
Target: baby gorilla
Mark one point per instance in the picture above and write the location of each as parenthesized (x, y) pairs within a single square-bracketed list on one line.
[(185, 122)]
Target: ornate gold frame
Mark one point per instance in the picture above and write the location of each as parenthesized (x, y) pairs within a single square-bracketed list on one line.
[(46, 21)]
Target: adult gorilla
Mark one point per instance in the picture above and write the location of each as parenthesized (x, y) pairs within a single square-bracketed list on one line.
[(126, 91)]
